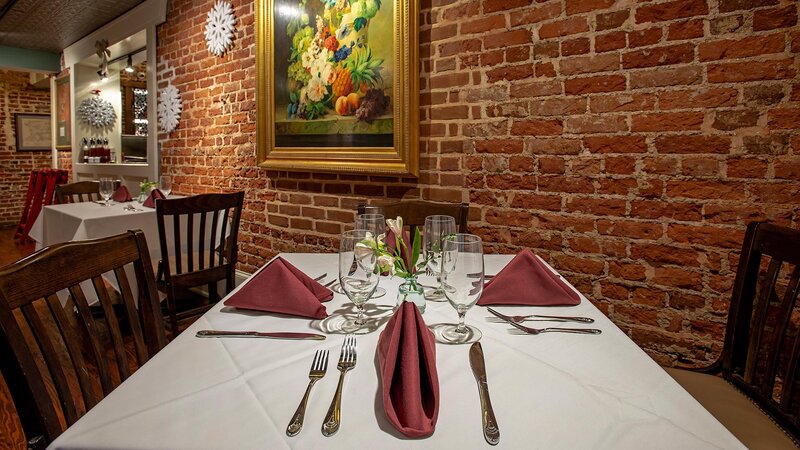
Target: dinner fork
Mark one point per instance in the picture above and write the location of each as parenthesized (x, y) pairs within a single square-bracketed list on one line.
[(541, 316), (318, 368), (347, 360), (534, 331)]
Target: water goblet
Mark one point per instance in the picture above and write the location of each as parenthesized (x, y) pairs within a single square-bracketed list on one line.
[(437, 227), (165, 184), (376, 225), (462, 282), (106, 189), (358, 272)]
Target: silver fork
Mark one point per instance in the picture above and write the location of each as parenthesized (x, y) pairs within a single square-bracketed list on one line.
[(541, 316), (347, 360), (530, 330), (318, 368)]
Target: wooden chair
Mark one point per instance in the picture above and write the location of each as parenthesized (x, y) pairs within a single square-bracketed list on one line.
[(81, 358), (200, 249), (761, 351), (79, 191), (414, 212)]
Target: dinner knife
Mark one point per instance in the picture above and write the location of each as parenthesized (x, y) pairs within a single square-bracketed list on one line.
[(490, 430), (260, 334)]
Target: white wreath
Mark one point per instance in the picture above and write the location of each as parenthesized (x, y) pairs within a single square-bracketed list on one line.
[(170, 107), (97, 112), (220, 27)]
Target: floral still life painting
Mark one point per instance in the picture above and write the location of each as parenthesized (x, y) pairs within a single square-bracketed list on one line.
[(335, 83), (332, 80)]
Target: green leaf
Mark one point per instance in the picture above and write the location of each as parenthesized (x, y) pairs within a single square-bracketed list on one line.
[(359, 23), (293, 96), (415, 247)]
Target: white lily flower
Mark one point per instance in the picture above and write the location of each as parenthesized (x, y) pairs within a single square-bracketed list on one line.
[(396, 226), (363, 250), (385, 261)]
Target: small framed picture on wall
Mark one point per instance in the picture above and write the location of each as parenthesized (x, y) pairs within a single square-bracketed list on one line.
[(33, 132)]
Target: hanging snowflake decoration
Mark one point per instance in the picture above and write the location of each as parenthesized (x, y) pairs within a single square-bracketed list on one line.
[(220, 27), (97, 112), (169, 108)]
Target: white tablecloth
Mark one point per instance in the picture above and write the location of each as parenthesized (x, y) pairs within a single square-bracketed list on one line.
[(549, 391), (89, 220)]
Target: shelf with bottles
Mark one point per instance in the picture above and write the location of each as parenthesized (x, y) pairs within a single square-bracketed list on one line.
[(97, 151)]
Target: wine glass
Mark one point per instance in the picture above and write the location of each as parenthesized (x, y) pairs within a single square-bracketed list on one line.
[(358, 272), (165, 184), (106, 189), (462, 282), (437, 227), (376, 225)]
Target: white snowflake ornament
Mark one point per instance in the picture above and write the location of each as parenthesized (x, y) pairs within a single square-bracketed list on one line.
[(220, 28), (170, 107)]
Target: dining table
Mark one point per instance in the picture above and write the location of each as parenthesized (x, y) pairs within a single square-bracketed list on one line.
[(549, 391), (89, 220)]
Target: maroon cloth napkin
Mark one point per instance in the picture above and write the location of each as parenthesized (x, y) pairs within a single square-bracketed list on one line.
[(121, 195), (155, 194), (528, 281), (405, 251), (282, 288), (409, 381)]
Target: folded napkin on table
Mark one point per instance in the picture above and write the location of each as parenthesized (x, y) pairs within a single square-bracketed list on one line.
[(282, 288), (528, 281), (121, 195), (155, 194), (409, 381)]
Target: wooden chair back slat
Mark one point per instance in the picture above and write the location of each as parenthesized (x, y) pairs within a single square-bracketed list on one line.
[(414, 212), (131, 315), (760, 311), (113, 326), (202, 244), (183, 264), (72, 344), (190, 242), (57, 372), (79, 191), (68, 332), (761, 351), (784, 314), (94, 334)]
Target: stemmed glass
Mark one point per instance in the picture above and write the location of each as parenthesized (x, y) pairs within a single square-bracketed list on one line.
[(376, 225), (165, 185), (436, 229), (462, 281), (106, 189), (358, 273)]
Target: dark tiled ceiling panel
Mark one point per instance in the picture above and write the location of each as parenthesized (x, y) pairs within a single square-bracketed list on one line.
[(52, 25)]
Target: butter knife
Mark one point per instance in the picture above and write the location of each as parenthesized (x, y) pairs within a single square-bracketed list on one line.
[(490, 430), (260, 334)]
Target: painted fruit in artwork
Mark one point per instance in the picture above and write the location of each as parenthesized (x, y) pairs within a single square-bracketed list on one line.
[(353, 100), (342, 107), (343, 84)]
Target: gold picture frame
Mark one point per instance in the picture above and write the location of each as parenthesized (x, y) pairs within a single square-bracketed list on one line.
[(349, 136)]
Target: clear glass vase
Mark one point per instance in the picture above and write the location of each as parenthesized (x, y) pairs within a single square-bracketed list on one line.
[(411, 291)]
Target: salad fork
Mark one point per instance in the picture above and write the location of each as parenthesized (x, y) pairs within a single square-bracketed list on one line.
[(541, 316), (347, 360), (318, 368)]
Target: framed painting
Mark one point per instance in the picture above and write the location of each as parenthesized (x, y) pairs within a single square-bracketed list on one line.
[(338, 86), (63, 114), (33, 132)]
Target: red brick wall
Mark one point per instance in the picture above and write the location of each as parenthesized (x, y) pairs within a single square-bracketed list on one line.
[(628, 144), (15, 167)]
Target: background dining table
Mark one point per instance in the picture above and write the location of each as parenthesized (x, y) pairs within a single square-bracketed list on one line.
[(549, 391)]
